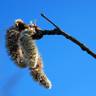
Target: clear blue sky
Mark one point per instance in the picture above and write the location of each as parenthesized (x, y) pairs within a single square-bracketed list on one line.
[(72, 71)]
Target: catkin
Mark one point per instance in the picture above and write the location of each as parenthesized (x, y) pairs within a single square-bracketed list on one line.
[(29, 48), (33, 59), (22, 49), (13, 48)]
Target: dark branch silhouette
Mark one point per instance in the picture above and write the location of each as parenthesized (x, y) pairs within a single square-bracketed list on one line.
[(58, 31)]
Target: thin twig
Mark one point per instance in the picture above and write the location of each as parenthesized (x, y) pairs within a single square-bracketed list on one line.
[(49, 21), (58, 31)]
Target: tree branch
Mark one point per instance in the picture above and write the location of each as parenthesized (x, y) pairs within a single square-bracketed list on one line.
[(58, 31)]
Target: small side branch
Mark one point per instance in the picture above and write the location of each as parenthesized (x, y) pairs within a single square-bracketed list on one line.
[(58, 31)]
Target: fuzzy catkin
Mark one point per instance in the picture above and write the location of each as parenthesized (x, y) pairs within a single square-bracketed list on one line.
[(13, 48), (22, 49), (29, 48), (33, 59)]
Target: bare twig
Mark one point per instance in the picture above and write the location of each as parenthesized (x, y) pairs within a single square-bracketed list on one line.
[(49, 21), (58, 31)]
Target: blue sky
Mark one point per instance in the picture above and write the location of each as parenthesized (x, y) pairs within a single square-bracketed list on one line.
[(72, 71)]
